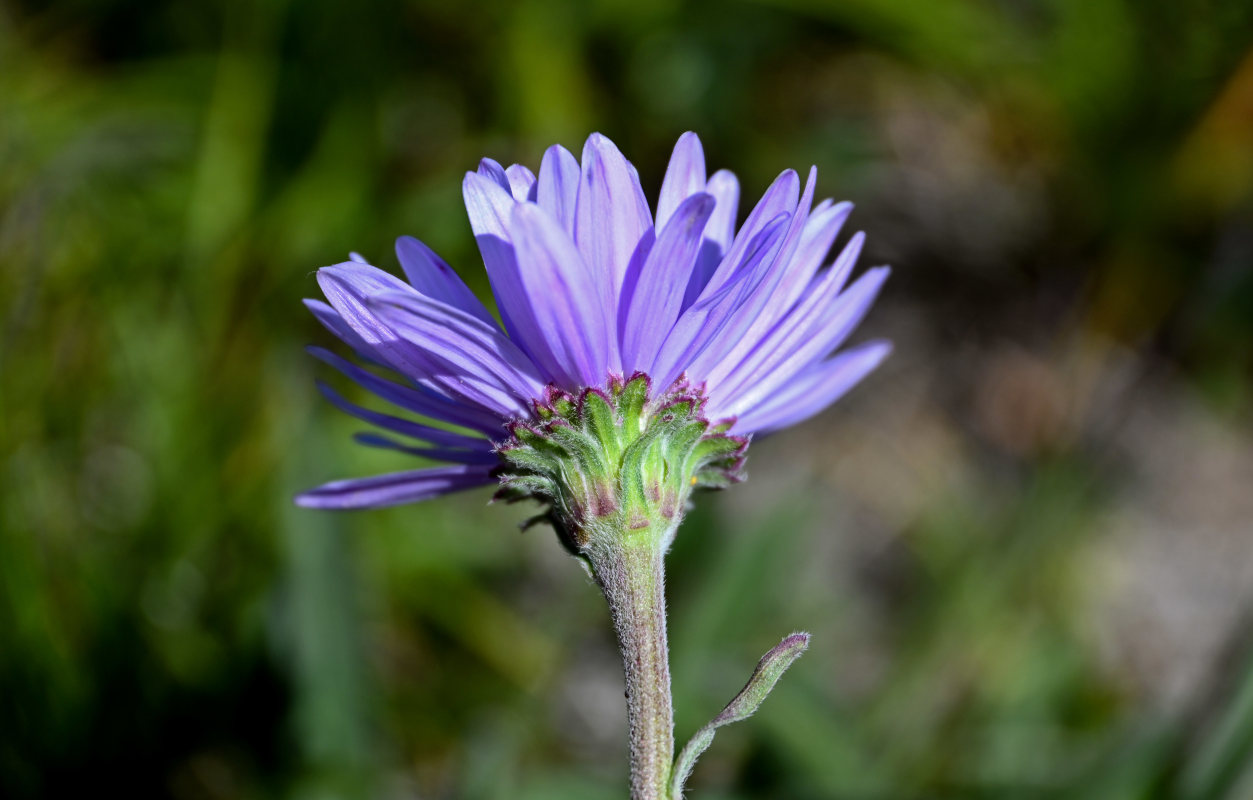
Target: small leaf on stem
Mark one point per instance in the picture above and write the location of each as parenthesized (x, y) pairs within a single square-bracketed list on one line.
[(769, 669)]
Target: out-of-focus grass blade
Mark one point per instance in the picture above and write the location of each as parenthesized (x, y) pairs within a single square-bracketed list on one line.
[(1223, 761), (965, 35), (486, 626), (321, 627)]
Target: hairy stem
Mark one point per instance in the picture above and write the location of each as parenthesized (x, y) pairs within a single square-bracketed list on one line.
[(630, 569)]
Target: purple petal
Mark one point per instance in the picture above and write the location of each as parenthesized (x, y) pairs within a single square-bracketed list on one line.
[(632, 279), (814, 389), (488, 204), (699, 326), (761, 310), (431, 275), (719, 233), (725, 371), (569, 306), (684, 177), (490, 210), (357, 257), (654, 304), (334, 323), (493, 171), (732, 334), (453, 455), (800, 217), (815, 243), (405, 427), (421, 402), (557, 189), (347, 285), (726, 188), (611, 213), (396, 488), (810, 337), (354, 288), (781, 197), (483, 365), (521, 182)]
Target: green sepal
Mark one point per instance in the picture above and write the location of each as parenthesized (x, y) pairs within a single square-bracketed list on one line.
[(715, 448), (526, 458), (602, 423), (617, 452), (632, 396), (635, 466), (541, 443), (587, 452), (562, 406)]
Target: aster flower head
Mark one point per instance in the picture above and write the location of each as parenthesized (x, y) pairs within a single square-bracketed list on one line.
[(636, 354)]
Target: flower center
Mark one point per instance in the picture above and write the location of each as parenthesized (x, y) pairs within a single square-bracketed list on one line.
[(614, 460)]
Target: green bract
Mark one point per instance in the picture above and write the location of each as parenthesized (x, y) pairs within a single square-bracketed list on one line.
[(617, 461)]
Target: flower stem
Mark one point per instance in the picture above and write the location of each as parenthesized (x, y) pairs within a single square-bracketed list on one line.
[(630, 570)]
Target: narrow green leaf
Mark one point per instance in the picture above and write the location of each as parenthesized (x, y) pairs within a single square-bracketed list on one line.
[(769, 669)]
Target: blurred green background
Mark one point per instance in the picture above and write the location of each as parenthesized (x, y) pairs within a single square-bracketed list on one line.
[(1023, 546)]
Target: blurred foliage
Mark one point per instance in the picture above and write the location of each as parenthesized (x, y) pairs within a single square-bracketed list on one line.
[(1040, 171)]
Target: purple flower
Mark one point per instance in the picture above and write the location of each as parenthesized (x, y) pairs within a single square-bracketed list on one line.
[(591, 288)]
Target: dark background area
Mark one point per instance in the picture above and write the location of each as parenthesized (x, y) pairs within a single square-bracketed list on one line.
[(1023, 546)]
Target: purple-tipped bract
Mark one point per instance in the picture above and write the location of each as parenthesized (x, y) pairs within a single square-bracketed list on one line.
[(591, 285)]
